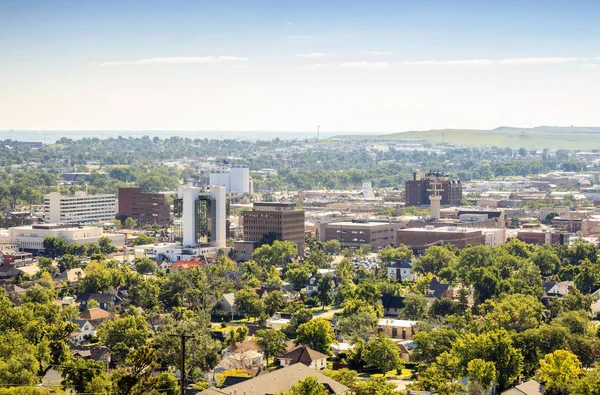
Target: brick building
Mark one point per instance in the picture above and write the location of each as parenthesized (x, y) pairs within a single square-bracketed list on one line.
[(417, 193), (419, 239), (356, 233), (282, 221), (144, 208)]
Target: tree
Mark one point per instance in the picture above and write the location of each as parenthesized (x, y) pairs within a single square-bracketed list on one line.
[(136, 377), (276, 254), (360, 324), (298, 318), (317, 334), (559, 370), (78, 373), (105, 244), (19, 363), (415, 307), (67, 262), (129, 223), (482, 372), (435, 259), (443, 307), (118, 224), (324, 290), (54, 246), (274, 302), (517, 312), (546, 259), (145, 265), (332, 246), (143, 239), (375, 386), (308, 386), (390, 254), (382, 353), (247, 303), (298, 275), (271, 342), (124, 333), (587, 384), (432, 344)]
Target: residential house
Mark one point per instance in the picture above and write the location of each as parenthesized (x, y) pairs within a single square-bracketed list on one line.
[(312, 285), (397, 329), (438, 290), (530, 387), (402, 269), (95, 353), (557, 289), (279, 320), (95, 314), (305, 355), (280, 381), (406, 350), (182, 264), (226, 304), (244, 355), (86, 330), (71, 276), (106, 301), (392, 304)]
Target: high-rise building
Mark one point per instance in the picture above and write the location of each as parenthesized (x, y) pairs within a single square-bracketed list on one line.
[(200, 217), (282, 221), (418, 190), (233, 178), (144, 208), (80, 208)]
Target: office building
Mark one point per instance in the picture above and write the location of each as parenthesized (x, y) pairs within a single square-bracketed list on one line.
[(281, 221), (144, 208), (79, 209), (419, 239), (356, 233), (233, 178), (419, 190), (31, 237), (200, 217)]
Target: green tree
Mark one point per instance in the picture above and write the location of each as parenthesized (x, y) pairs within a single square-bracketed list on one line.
[(271, 342), (129, 223), (317, 334), (415, 307), (54, 246), (118, 224), (67, 262), (145, 265), (559, 370), (482, 372), (435, 259), (324, 290), (136, 378), (390, 254), (143, 239), (78, 373), (124, 333), (587, 384), (332, 246), (105, 244), (300, 317), (274, 302), (382, 353), (308, 386), (19, 363), (546, 259), (360, 324), (247, 303), (513, 312)]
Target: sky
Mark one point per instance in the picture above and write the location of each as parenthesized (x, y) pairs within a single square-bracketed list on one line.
[(249, 65)]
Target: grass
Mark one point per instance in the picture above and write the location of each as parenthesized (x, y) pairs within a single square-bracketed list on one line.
[(512, 138)]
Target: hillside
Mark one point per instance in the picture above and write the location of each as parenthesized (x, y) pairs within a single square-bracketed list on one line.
[(552, 137)]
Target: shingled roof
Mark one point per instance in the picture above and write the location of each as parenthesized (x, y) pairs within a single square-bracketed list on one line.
[(303, 354)]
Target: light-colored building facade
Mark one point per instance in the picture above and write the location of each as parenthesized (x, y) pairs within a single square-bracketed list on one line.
[(31, 237), (419, 239), (80, 208), (200, 217), (356, 233), (233, 178)]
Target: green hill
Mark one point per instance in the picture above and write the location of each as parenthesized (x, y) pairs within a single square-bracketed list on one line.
[(551, 137)]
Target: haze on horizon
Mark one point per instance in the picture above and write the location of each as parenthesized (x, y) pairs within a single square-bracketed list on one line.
[(349, 66)]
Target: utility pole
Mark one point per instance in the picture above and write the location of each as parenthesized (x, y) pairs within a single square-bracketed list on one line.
[(183, 338)]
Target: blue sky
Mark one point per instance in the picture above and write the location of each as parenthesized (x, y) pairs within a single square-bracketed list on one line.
[(361, 66)]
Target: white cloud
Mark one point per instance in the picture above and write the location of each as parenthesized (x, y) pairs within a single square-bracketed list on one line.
[(314, 66), (518, 61), (591, 65), (313, 55), (376, 53), (172, 60), (466, 62), (367, 65)]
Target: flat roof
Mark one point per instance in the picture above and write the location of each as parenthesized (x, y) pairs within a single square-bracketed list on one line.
[(362, 224), (442, 229)]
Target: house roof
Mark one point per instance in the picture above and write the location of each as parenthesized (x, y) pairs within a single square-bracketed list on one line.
[(71, 275), (303, 354), (100, 298), (530, 387), (94, 314), (390, 301), (436, 289), (282, 380), (402, 264), (261, 291), (229, 298), (12, 288), (194, 262)]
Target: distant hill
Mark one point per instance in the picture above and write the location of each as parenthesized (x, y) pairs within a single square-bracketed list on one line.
[(551, 137)]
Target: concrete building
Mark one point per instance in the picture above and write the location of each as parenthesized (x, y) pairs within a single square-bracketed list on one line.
[(233, 178), (80, 208), (356, 233), (280, 220), (200, 217), (419, 239), (397, 329), (31, 237), (418, 190), (144, 208)]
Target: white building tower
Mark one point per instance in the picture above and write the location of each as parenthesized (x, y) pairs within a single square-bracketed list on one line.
[(435, 199)]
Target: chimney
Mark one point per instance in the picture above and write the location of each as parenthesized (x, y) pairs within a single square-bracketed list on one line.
[(415, 176)]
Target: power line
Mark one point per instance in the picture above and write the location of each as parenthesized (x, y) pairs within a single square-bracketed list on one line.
[(183, 338)]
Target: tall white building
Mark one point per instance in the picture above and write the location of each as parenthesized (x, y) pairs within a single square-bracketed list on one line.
[(80, 208), (200, 217), (233, 178)]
